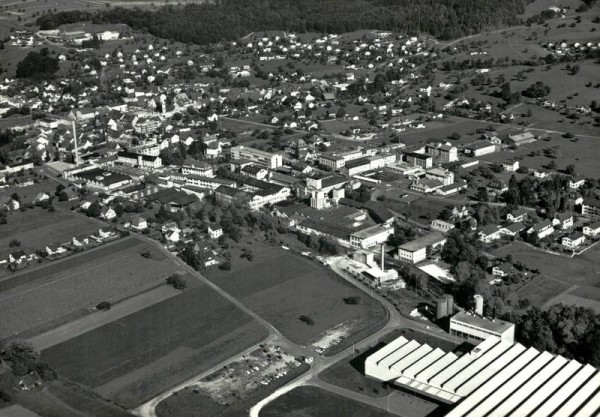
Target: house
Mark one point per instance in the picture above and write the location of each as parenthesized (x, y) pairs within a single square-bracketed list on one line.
[(541, 173), (460, 212), (503, 270), (489, 233), (518, 215), (497, 187), (215, 231), (564, 220), (104, 234), (53, 250), (107, 213), (573, 241), (541, 229), (139, 224), (41, 197), (512, 230), (10, 203), (511, 166), (29, 381), (173, 236), (80, 241), (576, 182), (169, 227), (17, 257), (592, 229)]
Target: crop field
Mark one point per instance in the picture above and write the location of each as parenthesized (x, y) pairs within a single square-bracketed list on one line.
[(35, 228), (314, 402), (43, 297), (134, 358), (281, 287)]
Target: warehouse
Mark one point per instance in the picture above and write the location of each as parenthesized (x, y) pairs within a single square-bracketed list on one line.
[(496, 378)]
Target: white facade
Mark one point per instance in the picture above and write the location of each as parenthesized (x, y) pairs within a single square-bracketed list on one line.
[(270, 160)]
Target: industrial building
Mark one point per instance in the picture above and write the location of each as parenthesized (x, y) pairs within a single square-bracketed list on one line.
[(477, 327), (497, 378)]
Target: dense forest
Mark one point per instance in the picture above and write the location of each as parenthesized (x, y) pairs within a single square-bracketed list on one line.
[(231, 19), (570, 331)]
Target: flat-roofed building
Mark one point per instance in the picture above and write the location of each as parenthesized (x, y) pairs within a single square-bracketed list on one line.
[(472, 326), (267, 159), (415, 251), (371, 236), (479, 148)]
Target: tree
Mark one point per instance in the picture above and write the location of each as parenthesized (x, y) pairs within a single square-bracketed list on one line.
[(536, 90), (177, 282), (14, 243), (104, 306), (37, 65), (94, 210), (570, 169), (306, 319), (340, 113), (22, 357)]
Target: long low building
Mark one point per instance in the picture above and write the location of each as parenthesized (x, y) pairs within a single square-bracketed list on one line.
[(496, 378)]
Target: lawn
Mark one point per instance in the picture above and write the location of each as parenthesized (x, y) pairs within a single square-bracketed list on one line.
[(541, 289), (280, 287), (132, 359), (44, 297), (36, 228), (314, 402), (572, 271)]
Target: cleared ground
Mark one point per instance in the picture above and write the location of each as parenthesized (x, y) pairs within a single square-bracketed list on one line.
[(281, 287), (36, 228), (314, 402), (46, 297), (134, 358)]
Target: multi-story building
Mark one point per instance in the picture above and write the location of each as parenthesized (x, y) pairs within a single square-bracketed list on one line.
[(267, 159), (591, 208), (419, 159), (416, 250), (445, 152), (139, 160)]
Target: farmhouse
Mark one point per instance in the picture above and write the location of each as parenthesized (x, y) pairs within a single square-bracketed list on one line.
[(519, 139)]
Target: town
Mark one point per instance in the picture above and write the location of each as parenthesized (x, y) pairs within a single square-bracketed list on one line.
[(362, 223)]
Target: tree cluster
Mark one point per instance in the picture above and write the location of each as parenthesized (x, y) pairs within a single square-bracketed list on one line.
[(37, 65), (571, 331), (212, 22)]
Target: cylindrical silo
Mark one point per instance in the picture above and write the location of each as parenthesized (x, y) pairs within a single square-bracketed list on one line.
[(449, 305), (441, 310), (478, 304)]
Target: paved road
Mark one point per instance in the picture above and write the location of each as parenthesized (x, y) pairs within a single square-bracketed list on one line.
[(396, 320), (398, 402)]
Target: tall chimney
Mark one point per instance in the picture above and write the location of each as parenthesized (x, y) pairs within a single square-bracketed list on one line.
[(383, 257), (76, 149)]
